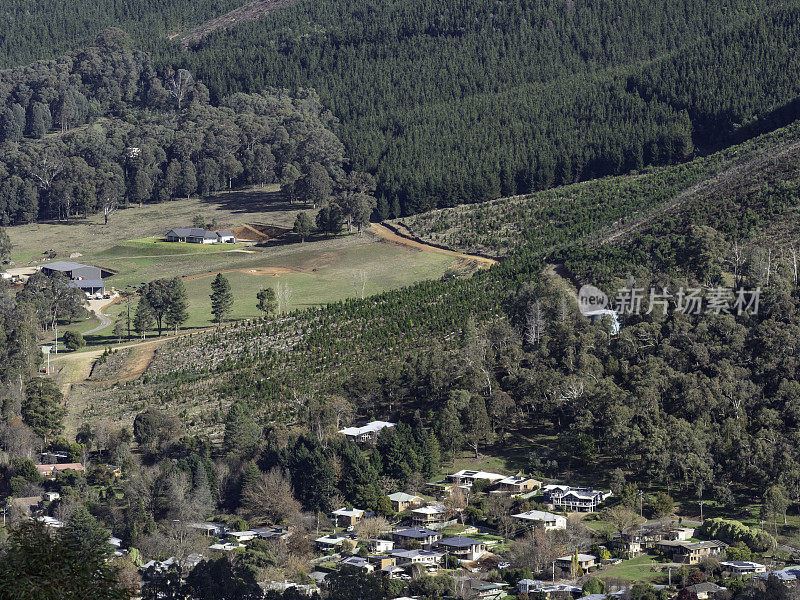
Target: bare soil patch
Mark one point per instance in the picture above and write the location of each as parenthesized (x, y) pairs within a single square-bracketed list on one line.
[(249, 12)]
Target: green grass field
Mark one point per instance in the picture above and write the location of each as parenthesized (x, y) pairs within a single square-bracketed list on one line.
[(315, 273), (636, 569)]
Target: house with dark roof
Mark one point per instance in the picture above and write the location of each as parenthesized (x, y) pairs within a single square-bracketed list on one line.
[(462, 547), (198, 235), (84, 277), (421, 535), (576, 499)]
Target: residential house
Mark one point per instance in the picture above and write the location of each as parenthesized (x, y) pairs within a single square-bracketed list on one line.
[(586, 562), (49, 471), (272, 533), (417, 557), (52, 496), (382, 561), (681, 534), (487, 589), (463, 548), (423, 536), (787, 574), (84, 277), (347, 517), (226, 546), (326, 543), (402, 501), (377, 545), (742, 567), (428, 515), (242, 536), (706, 590), (366, 433), (518, 484), (393, 572), (199, 235), (358, 562), (549, 521), (574, 499), (690, 552), (467, 477), (54, 456), (210, 529), (547, 588)]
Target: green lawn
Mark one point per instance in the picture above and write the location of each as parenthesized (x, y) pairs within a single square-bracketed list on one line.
[(636, 569), (315, 273), (160, 247)]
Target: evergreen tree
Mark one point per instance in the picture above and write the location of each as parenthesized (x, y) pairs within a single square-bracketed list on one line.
[(87, 534), (178, 309), (188, 178), (303, 225), (267, 301), (144, 318), (42, 408), (221, 298), (242, 432)]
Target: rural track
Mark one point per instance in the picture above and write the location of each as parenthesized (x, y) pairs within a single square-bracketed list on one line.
[(384, 233), (104, 322), (735, 170)]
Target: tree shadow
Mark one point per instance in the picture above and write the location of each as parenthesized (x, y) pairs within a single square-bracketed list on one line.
[(252, 200)]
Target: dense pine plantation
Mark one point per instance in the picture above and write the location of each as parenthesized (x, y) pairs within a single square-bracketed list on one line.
[(546, 222), (449, 103), (39, 30)]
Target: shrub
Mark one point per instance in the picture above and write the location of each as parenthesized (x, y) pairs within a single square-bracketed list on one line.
[(73, 340)]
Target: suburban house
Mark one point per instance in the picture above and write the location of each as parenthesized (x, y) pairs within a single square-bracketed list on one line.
[(272, 533), (366, 433), (706, 590), (381, 561), (549, 521), (549, 589), (634, 542), (210, 529), (392, 571), (358, 563), (518, 484), (788, 574), (402, 501), (690, 552), (466, 477), (462, 547), (50, 470), (417, 557), (427, 515), (681, 533), (347, 517), (242, 536), (742, 567), (487, 589), (586, 562), (329, 542), (198, 235), (574, 499), (84, 277), (376, 545), (421, 535)]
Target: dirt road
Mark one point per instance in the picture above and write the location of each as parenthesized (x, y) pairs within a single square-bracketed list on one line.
[(390, 236)]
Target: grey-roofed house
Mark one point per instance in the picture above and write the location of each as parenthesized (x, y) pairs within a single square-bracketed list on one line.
[(424, 536), (358, 562), (743, 567), (198, 235), (402, 501), (366, 433), (417, 557), (462, 547), (87, 278)]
